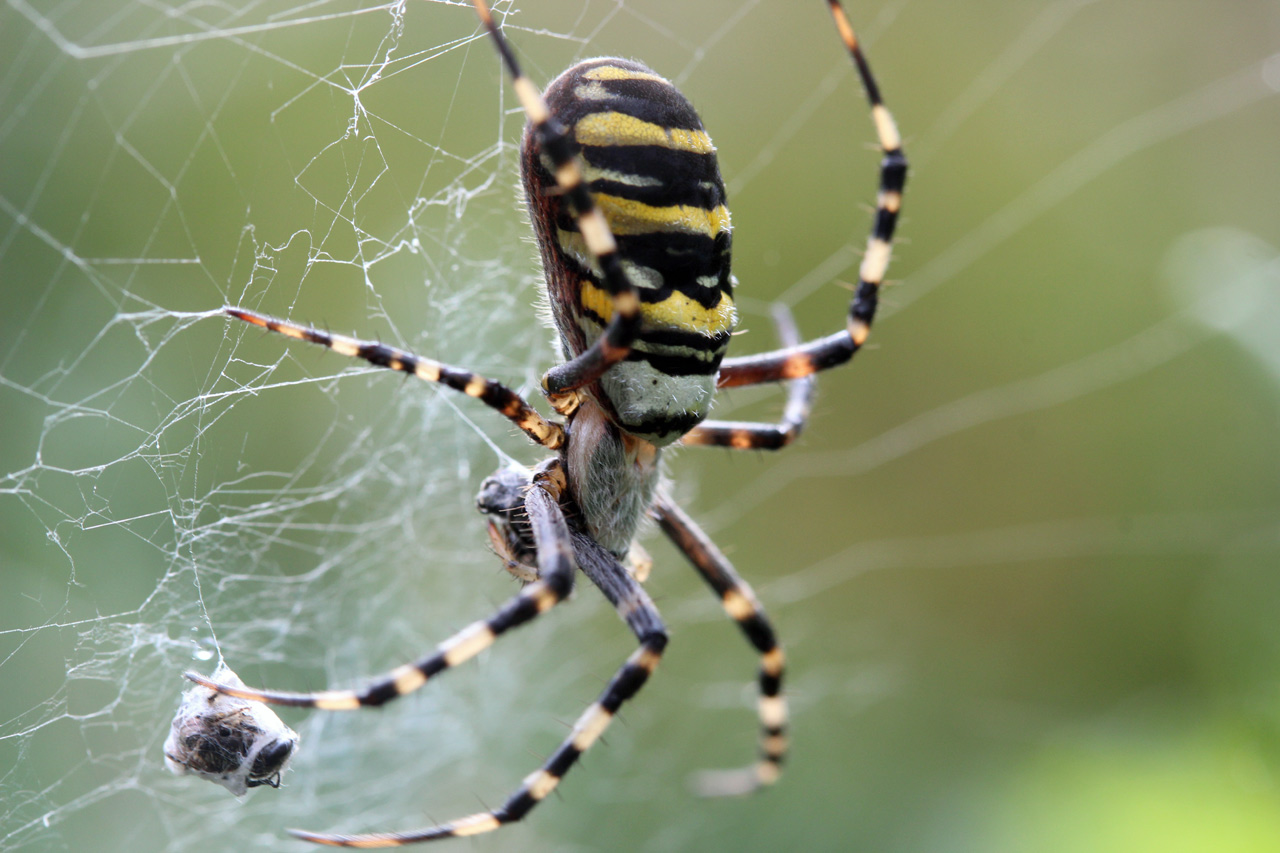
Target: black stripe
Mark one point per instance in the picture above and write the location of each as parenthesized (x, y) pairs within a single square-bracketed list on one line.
[(893, 171), (885, 222), (663, 337), (681, 259), (759, 632), (692, 340), (648, 100), (380, 355), (664, 425), (456, 379), (667, 165), (516, 807), (433, 665), (515, 612), (676, 365), (562, 760), (669, 193), (864, 302), (377, 694), (555, 141)]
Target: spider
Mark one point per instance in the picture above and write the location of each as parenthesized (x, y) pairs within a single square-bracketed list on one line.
[(628, 208)]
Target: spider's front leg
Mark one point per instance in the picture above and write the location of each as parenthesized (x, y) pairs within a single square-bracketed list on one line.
[(561, 151), (804, 359), (548, 540), (495, 395)]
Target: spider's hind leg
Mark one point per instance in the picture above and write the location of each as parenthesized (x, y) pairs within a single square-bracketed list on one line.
[(636, 609), (741, 605)]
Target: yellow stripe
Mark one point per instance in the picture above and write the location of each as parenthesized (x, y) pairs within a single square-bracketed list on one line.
[(336, 700), (875, 261), (613, 72), (531, 100), (540, 783), (737, 605), (467, 643), (613, 128), (767, 772), (772, 661), (338, 343), (677, 311), (474, 825), (407, 679), (773, 711), (647, 659), (626, 216), (589, 727), (886, 128)]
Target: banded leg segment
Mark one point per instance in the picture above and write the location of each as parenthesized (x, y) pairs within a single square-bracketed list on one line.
[(557, 568), (638, 611), (747, 435), (740, 603), (616, 340), (837, 348), (495, 395)]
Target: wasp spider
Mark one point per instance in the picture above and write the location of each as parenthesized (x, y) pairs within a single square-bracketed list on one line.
[(628, 207)]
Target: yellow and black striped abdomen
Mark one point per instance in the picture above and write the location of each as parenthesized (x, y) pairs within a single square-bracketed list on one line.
[(652, 170)]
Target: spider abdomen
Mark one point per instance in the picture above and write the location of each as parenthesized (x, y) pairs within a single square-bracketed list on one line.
[(652, 171)]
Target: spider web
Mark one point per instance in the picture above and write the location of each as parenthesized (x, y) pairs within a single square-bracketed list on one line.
[(177, 489)]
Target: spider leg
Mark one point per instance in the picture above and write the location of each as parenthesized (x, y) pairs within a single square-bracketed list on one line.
[(495, 395), (557, 567), (636, 609), (740, 603), (835, 349), (746, 435), (618, 336)]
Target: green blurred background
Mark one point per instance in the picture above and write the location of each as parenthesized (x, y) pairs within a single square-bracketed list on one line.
[(1024, 560)]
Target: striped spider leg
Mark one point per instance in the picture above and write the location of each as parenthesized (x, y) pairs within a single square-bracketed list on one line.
[(495, 395), (554, 141), (556, 570), (741, 605), (795, 361)]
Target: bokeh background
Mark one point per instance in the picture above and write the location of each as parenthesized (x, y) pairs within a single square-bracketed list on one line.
[(1024, 560)]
